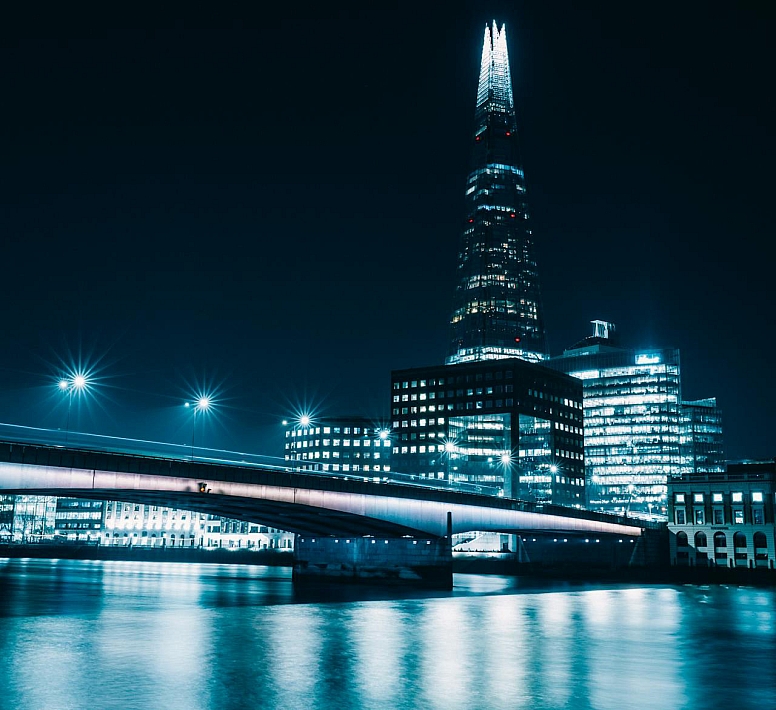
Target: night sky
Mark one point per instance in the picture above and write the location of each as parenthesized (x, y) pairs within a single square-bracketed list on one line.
[(272, 206)]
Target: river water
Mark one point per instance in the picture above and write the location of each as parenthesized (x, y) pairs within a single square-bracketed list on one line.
[(103, 635)]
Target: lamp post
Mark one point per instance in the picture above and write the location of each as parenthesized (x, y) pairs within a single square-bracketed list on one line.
[(203, 404), (73, 384)]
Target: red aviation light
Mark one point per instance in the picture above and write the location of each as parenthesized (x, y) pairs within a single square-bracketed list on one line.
[(512, 214), (509, 133), (517, 340), (470, 221)]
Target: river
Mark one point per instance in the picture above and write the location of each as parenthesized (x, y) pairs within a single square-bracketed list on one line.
[(125, 635)]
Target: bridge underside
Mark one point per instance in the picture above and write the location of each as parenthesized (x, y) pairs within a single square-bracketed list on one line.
[(291, 517), (314, 507)]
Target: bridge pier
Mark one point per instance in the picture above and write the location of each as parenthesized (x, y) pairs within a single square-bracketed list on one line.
[(422, 562)]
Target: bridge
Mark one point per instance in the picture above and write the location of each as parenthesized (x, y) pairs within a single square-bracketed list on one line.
[(321, 509)]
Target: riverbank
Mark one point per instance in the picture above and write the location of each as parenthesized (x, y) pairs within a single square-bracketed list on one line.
[(270, 558), (505, 565)]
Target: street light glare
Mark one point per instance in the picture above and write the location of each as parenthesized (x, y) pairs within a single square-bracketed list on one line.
[(384, 434), (79, 382), (506, 458), (304, 420), (63, 385), (203, 404)]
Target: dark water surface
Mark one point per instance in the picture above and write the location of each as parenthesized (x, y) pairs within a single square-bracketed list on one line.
[(127, 635)]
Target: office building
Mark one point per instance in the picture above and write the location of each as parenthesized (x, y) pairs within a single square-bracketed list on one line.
[(702, 445), (339, 445), (633, 421), (497, 309), (505, 427)]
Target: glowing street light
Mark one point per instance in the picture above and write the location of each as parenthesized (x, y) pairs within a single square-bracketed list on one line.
[(304, 420), (203, 403), (506, 458), (75, 383)]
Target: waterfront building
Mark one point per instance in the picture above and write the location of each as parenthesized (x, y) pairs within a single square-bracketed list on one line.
[(633, 421), (339, 445), (78, 519), (27, 518), (497, 309), (507, 427), (7, 505), (142, 525), (703, 450), (724, 518)]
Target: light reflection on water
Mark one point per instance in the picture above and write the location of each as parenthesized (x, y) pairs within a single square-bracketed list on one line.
[(148, 635)]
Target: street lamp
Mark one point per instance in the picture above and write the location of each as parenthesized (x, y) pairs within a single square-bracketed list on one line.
[(204, 404), (75, 383)]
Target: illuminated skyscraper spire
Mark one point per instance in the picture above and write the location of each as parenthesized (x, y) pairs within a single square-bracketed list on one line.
[(497, 310)]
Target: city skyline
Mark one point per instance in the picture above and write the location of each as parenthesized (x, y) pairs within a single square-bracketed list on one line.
[(178, 223)]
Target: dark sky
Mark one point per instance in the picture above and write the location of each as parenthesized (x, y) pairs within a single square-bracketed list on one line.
[(272, 206)]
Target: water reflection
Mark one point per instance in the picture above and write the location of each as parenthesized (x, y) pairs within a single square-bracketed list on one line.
[(145, 635)]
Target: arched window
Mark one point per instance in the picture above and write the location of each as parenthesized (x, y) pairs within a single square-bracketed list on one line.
[(681, 539), (720, 548), (700, 539), (760, 541), (739, 540)]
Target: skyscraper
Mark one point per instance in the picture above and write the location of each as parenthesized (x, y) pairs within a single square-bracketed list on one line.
[(633, 421), (497, 311)]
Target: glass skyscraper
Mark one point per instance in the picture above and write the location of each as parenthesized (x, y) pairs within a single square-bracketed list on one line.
[(497, 311), (634, 422), (702, 444)]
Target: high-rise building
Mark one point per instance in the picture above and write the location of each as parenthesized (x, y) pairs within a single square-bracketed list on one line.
[(505, 427), (497, 310), (702, 445), (633, 421)]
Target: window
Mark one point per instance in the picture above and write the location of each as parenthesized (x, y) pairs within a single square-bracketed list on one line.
[(680, 519), (757, 516), (719, 516), (680, 497), (716, 497), (738, 497), (698, 498), (757, 497), (738, 517), (699, 519), (700, 539), (681, 539)]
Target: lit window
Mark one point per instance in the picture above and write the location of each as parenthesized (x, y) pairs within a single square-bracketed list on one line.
[(738, 517), (757, 497), (680, 497), (738, 497), (716, 497), (698, 497)]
